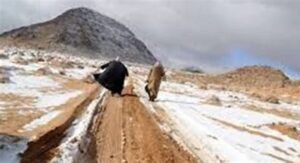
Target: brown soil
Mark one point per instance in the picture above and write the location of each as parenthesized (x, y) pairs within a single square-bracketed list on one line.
[(282, 112), (128, 133), (214, 100), (260, 82), (290, 131)]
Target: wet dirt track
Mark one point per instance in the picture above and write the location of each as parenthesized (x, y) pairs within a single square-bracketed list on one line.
[(126, 132)]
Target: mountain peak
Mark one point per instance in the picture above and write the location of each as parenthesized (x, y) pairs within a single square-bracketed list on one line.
[(84, 31)]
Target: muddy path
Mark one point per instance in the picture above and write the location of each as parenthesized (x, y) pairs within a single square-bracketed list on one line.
[(126, 132)]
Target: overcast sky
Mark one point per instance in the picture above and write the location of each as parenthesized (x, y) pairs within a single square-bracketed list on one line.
[(212, 34)]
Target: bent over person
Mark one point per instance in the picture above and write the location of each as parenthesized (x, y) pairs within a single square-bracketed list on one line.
[(113, 76), (154, 78)]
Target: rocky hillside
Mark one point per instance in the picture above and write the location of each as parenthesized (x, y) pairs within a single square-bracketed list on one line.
[(255, 76), (82, 31)]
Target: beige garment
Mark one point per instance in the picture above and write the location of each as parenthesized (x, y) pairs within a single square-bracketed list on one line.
[(155, 76)]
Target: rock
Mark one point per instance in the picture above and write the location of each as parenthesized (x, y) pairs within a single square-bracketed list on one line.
[(48, 58), (193, 69), (202, 86), (43, 71), (68, 64), (216, 87), (4, 78), (61, 72), (3, 56), (41, 59), (89, 79), (61, 64), (214, 100), (80, 66), (18, 60), (271, 99)]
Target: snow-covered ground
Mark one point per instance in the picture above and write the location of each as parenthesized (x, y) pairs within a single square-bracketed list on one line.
[(46, 92), (43, 120), (31, 101), (70, 149), (229, 132), (30, 93), (11, 148), (238, 129)]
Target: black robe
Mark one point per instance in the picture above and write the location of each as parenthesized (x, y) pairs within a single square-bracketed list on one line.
[(113, 76)]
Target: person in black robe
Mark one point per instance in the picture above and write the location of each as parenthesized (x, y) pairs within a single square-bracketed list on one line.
[(113, 76)]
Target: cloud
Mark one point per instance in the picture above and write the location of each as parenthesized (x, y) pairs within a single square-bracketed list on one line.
[(198, 32)]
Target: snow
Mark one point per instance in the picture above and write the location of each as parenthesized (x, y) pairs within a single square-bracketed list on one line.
[(57, 99), (226, 133), (235, 114), (28, 68), (27, 85), (232, 144), (69, 149), (227, 97), (42, 94), (43, 120), (11, 147), (35, 86), (32, 82), (79, 73)]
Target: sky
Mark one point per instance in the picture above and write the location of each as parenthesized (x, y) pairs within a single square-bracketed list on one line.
[(214, 35)]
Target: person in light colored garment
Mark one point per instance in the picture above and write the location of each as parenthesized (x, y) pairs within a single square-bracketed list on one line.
[(156, 74)]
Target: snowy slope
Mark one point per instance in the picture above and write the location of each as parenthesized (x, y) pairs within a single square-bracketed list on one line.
[(230, 132)]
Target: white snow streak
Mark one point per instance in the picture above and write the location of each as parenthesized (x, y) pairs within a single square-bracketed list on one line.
[(43, 120), (69, 149)]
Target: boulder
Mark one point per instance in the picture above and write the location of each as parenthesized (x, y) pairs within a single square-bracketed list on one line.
[(214, 100)]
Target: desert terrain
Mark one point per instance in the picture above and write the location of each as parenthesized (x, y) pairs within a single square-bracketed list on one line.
[(52, 110)]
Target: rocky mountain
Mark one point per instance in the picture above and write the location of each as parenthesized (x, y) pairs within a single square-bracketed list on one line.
[(82, 31)]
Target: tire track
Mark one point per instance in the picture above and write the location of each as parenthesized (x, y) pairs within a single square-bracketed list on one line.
[(128, 133)]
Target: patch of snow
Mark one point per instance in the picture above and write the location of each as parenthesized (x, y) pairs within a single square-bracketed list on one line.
[(79, 73), (1, 105), (24, 112), (69, 149), (43, 120), (193, 122), (33, 86), (26, 85), (31, 82), (234, 114), (229, 144), (11, 147), (227, 97), (53, 100), (28, 68)]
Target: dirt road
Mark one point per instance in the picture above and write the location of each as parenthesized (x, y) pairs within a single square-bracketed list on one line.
[(126, 132)]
